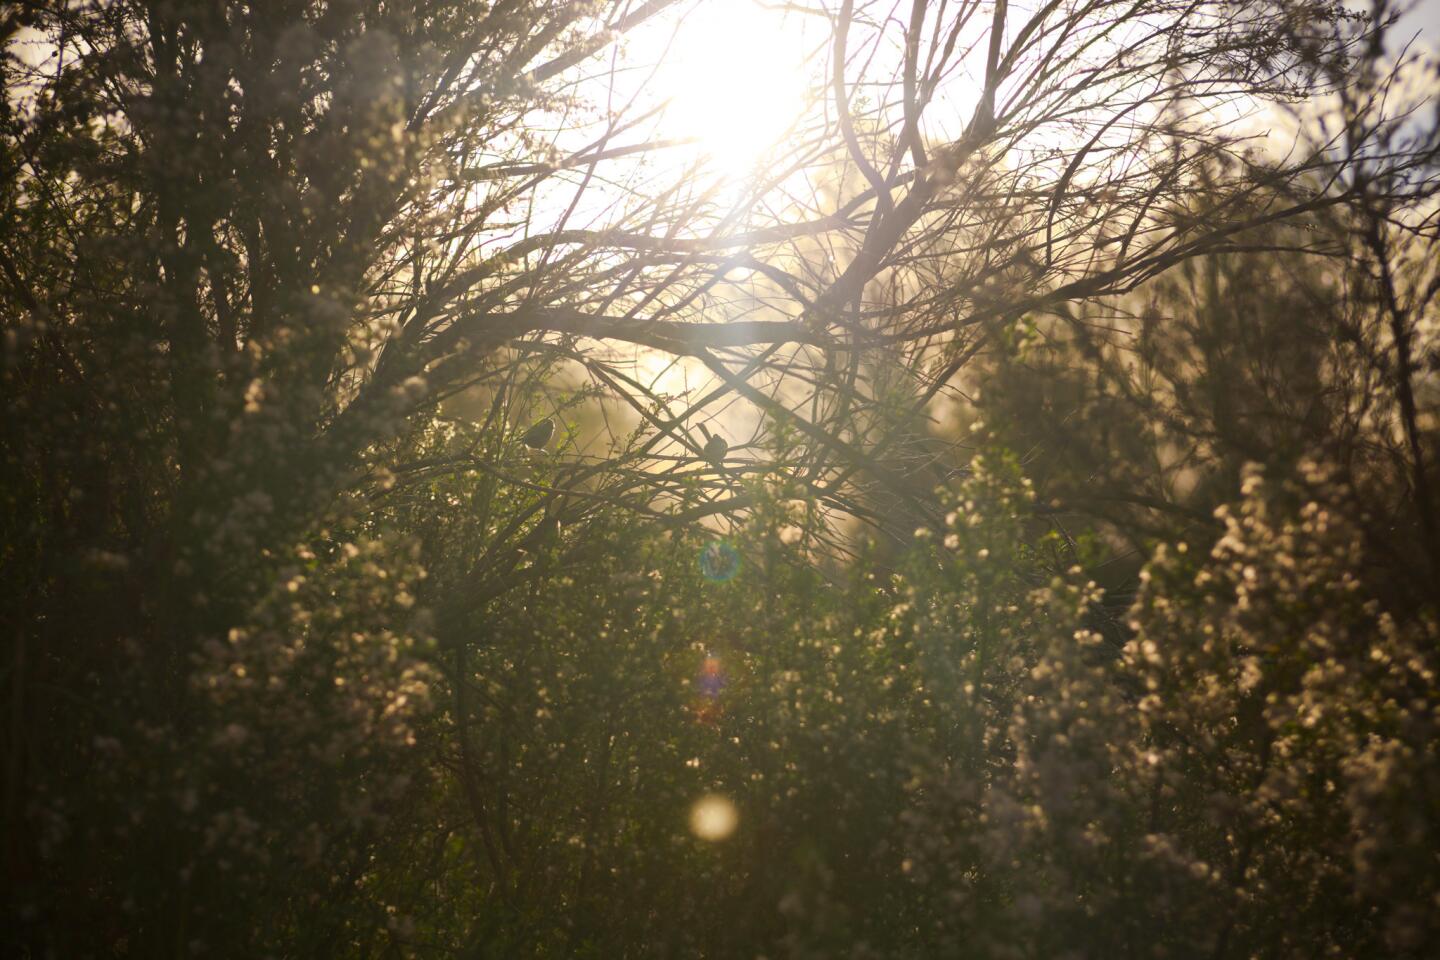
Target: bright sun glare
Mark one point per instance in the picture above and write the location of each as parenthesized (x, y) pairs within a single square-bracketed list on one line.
[(736, 79)]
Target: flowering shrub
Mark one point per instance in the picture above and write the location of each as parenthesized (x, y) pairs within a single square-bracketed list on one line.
[(1292, 719), (232, 808), (953, 757)]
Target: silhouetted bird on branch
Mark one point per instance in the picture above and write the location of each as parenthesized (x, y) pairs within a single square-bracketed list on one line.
[(715, 450), (715, 447), (538, 435)]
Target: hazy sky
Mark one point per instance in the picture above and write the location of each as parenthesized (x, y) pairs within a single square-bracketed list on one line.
[(1425, 17)]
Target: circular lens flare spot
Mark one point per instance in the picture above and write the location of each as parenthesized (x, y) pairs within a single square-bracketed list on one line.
[(719, 561), (713, 817)]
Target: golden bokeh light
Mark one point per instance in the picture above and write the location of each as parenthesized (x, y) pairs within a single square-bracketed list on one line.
[(713, 817)]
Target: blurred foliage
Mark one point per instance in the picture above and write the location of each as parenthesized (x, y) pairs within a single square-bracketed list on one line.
[(1137, 417)]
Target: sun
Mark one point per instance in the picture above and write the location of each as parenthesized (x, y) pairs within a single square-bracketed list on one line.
[(735, 76)]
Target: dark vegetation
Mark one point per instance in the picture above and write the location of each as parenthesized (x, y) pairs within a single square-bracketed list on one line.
[(1041, 560)]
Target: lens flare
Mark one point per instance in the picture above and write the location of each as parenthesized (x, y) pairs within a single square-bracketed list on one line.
[(713, 817), (709, 684), (712, 678), (719, 561)]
